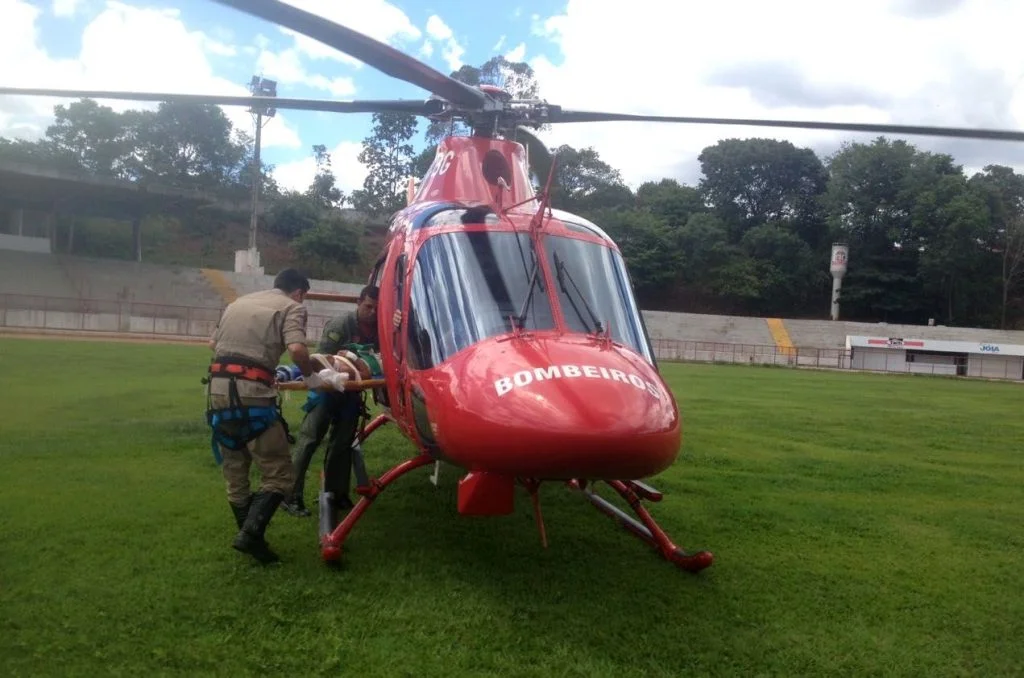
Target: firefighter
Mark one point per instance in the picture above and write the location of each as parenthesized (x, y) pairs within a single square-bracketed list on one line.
[(244, 410)]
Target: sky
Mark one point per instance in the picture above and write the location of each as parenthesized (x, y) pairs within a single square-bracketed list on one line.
[(933, 62)]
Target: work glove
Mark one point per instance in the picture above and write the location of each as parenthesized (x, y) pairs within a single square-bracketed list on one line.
[(335, 379)]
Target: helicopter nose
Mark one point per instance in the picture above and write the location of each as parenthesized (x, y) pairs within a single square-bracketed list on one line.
[(558, 408)]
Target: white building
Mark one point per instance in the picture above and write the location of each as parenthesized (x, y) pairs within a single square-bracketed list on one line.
[(931, 356)]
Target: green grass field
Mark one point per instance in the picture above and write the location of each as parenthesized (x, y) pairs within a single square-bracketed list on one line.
[(861, 525)]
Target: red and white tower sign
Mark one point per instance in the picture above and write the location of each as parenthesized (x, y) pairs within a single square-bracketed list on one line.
[(840, 252)]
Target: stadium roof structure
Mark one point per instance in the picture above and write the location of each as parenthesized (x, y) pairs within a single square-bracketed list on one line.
[(31, 187)]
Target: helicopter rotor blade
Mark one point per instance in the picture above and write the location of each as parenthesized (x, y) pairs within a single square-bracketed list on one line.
[(383, 57), (370, 106), (563, 115)]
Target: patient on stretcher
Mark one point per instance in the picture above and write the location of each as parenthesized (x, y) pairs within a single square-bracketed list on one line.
[(351, 363)]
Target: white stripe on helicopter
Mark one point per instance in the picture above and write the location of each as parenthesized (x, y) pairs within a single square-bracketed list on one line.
[(526, 377)]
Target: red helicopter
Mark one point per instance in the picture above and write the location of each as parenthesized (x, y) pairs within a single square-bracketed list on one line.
[(520, 355)]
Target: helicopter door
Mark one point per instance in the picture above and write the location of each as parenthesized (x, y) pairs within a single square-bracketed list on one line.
[(397, 332), (380, 394)]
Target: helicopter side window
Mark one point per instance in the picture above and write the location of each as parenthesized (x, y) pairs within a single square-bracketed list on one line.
[(399, 289), (480, 214), (594, 291), (467, 287), (378, 270)]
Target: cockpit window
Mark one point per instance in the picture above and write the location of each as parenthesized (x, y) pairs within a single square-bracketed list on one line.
[(594, 292), (469, 286), (462, 216)]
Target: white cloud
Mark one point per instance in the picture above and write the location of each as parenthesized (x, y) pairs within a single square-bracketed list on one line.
[(65, 8), (516, 54), (350, 173), (498, 45), (123, 48), (378, 19), (286, 68), (948, 62), (217, 47), (439, 30)]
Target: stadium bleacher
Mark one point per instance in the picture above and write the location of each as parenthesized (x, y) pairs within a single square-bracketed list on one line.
[(116, 295)]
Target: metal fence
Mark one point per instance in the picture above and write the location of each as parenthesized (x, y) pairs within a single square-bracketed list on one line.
[(750, 354), (27, 313)]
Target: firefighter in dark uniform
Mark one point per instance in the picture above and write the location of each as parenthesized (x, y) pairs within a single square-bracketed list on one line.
[(337, 411), (243, 407)]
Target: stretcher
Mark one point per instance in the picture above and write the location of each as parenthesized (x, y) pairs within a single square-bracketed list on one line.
[(361, 359)]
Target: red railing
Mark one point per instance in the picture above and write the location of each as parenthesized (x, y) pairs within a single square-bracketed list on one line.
[(26, 313)]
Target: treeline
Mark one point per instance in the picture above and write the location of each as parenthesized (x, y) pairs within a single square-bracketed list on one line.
[(752, 237)]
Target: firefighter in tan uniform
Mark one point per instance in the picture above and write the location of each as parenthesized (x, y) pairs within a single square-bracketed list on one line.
[(244, 409)]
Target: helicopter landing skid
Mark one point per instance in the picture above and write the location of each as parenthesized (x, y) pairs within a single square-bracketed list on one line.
[(646, 528), (331, 537)]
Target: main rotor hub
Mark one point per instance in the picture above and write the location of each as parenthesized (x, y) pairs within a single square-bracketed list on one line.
[(495, 92), (499, 115)]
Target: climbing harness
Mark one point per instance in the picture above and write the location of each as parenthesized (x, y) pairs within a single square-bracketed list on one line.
[(236, 425)]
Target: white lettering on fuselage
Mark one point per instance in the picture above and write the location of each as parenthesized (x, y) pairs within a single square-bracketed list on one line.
[(526, 377)]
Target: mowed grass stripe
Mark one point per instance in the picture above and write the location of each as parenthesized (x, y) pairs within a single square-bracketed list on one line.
[(862, 524)]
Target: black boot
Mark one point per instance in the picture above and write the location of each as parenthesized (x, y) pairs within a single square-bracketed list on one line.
[(241, 511), (296, 507), (250, 537)]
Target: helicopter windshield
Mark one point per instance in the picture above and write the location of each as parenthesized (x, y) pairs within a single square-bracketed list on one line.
[(594, 291), (469, 286)]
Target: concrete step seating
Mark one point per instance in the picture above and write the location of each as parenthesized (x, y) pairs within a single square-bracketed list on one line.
[(829, 334), (40, 286)]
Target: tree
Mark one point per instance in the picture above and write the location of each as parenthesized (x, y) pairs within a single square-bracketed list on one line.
[(950, 219), (32, 152), (668, 199), (753, 181), (322, 190), (874, 203), (388, 156), (643, 239), (1003, 191), (784, 266), (334, 242), (753, 237), (584, 182), (187, 145), (1012, 261), (87, 136), (292, 214), (240, 179), (711, 268)]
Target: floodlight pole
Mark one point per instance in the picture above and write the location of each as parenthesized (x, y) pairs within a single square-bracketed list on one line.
[(248, 261), (256, 180)]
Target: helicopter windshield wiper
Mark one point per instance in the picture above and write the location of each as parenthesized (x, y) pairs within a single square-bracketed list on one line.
[(535, 280), (562, 273)]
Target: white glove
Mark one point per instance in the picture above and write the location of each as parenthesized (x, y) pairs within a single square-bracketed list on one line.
[(335, 379), (313, 381)]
